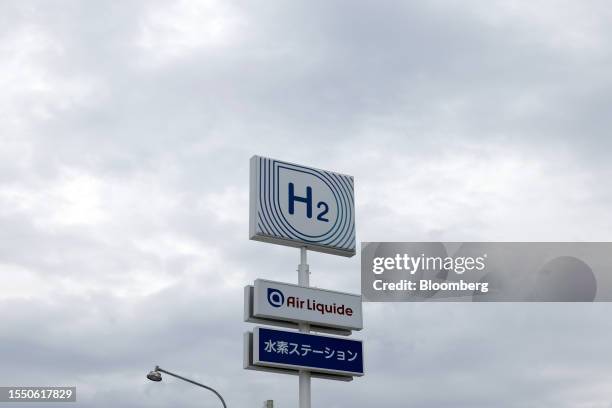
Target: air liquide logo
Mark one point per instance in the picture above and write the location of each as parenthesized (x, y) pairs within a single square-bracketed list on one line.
[(275, 297)]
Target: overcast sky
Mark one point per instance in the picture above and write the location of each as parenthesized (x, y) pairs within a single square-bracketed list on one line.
[(125, 134)]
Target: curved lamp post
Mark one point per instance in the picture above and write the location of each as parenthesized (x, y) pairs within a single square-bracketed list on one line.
[(156, 376)]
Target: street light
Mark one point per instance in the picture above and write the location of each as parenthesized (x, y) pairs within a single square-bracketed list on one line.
[(156, 376)]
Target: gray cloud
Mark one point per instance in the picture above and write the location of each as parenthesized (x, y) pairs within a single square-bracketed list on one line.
[(124, 151)]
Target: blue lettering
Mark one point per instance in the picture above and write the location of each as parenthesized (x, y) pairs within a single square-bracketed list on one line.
[(307, 200)]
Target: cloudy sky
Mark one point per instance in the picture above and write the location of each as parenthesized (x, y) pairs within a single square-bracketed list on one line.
[(125, 134)]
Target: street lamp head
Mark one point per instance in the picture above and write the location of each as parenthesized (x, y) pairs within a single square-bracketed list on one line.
[(154, 376)]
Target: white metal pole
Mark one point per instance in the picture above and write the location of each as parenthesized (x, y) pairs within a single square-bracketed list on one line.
[(304, 280)]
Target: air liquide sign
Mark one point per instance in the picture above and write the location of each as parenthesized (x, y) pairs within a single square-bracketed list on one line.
[(302, 206), (317, 306)]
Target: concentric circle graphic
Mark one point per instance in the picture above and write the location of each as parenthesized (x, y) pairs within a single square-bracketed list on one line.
[(332, 219)]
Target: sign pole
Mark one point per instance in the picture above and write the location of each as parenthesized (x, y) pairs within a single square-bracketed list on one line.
[(304, 280)]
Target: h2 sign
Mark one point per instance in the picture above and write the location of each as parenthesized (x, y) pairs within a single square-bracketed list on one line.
[(301, 206)]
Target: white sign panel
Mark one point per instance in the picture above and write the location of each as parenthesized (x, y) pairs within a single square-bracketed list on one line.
[(302, 206), (283, 301), (290, 324)]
